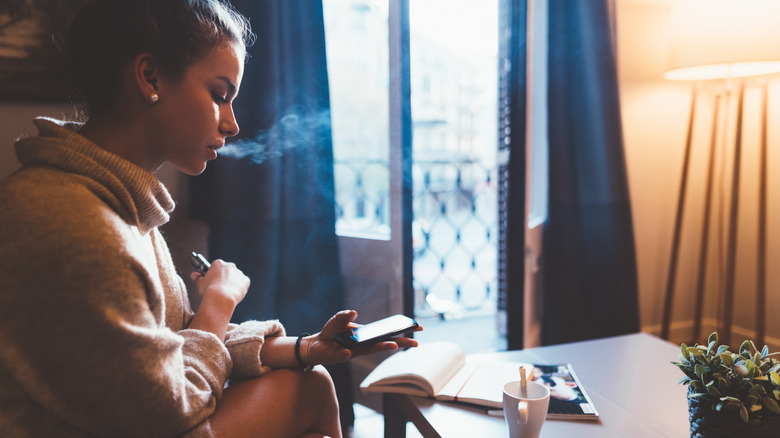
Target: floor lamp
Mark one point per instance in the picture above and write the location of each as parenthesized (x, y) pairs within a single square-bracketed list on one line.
[(727, 41)]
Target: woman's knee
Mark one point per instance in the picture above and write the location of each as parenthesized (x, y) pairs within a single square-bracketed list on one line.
[(320, 384), (317, 399), (321, 376), (280, 402), (306, 389)]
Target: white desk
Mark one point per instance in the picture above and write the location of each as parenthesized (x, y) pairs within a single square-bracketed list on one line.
[(629, 378)]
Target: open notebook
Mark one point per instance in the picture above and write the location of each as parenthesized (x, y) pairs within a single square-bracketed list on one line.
[(443, 371)]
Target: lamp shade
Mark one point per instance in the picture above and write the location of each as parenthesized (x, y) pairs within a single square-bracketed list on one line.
[(715, 39)]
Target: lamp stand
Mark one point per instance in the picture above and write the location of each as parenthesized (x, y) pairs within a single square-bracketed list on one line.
[(762, 200), (731, 249), (727, 302), (669, 296)]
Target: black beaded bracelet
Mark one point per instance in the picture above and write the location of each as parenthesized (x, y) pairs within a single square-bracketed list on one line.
[(298, 352)]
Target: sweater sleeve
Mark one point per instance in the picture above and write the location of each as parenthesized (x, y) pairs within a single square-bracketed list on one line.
[(83, 331), (244, 342)]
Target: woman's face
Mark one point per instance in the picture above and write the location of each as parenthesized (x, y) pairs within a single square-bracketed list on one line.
[(195, 114)]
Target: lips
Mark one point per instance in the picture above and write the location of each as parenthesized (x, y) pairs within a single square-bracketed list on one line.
[(213, 150)]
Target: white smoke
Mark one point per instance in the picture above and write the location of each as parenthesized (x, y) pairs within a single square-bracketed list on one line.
[(293, 130)]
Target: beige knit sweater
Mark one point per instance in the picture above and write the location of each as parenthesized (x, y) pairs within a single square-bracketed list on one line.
[(93, 316)]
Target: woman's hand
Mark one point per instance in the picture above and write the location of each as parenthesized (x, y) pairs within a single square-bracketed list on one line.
[(322, 349), (224, 279), (221, 289)]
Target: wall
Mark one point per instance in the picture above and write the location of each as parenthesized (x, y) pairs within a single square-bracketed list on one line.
[(15, 121), (655, 119)]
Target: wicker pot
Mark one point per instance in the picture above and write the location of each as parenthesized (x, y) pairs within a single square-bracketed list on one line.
[(708, 423)]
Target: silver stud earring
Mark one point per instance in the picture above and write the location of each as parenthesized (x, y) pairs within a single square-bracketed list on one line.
[(153, 98)]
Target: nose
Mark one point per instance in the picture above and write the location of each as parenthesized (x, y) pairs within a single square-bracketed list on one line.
[(228, 126)]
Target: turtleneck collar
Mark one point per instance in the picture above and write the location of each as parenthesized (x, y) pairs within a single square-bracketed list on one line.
[(134, 193)]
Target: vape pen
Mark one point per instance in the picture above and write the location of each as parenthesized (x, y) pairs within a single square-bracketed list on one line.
[(199, 262)]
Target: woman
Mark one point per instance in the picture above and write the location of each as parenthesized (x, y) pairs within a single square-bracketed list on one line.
[(97, 332)]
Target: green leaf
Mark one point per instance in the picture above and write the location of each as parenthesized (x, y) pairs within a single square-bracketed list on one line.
[(686, 380), (730, 403), (743, 413), (745, 346), (771, 405), (723, 385), (741, 369), (715, 362), (764, 352), (713, 391), (722, 349), (713, 338), (711, 345), (699, 370), (727, 359), (751, 367), (774, 378)]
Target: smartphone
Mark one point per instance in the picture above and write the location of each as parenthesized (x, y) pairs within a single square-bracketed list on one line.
[(375, 332)]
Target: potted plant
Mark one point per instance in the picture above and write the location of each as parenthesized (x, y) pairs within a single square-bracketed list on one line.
[(731, 392)]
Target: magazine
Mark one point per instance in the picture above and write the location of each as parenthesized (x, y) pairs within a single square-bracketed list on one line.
[(568, 399), (442, 370)]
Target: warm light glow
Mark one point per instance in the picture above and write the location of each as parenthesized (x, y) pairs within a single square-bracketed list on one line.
[(716, 39)]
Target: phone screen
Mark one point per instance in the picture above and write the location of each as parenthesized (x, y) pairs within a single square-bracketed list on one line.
[(376, 331)]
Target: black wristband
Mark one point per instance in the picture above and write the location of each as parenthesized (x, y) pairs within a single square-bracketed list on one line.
[(298, 352)]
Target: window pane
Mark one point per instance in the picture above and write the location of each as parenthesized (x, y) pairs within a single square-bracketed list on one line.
[(356, 34), (454, 77)]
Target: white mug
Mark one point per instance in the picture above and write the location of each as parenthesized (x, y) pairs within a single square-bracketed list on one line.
[(525, 411)]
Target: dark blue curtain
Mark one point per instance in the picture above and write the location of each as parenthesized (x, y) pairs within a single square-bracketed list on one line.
[(512, 22), (589, 262), (270, 207), (269, 203)]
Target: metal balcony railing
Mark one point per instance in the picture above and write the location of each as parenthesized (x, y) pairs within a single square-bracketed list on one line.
[(454, 229)]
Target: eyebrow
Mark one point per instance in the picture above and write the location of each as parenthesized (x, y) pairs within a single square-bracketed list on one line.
[(231, 86)]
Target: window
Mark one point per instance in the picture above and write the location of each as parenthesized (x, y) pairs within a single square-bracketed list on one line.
[(453, 45), (453, 68), (358, 70)]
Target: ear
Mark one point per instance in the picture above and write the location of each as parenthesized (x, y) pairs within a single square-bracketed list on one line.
[(146, 75)]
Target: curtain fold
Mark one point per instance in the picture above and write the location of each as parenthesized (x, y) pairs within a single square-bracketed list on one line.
[(589, 261), (269, 199), (512, 175)]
